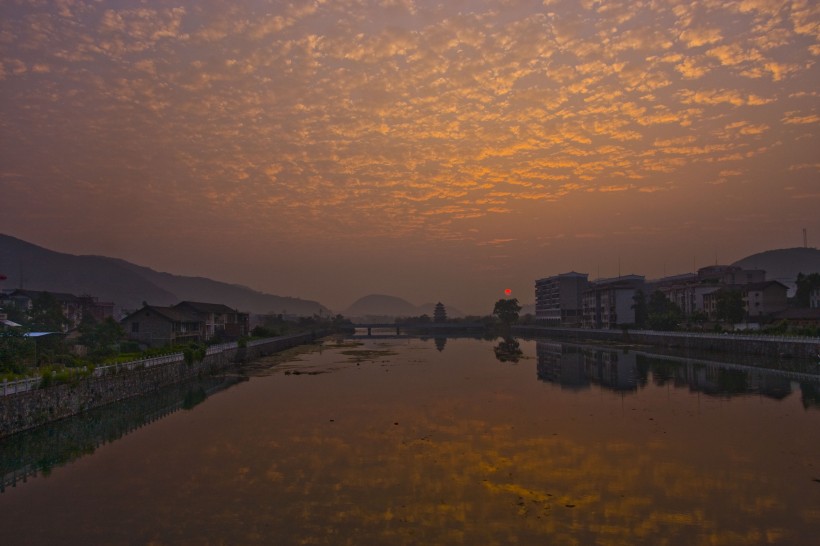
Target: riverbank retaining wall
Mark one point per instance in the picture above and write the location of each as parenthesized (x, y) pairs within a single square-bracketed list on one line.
[(769, 346), (25, 410)]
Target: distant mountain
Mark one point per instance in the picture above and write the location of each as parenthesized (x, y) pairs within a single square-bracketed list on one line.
[(784, 264), (127, 284), (380, 306)]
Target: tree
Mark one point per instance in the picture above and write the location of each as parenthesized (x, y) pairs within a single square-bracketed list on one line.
[(100, 337), (508, 350), (698, 317), (46, 314), (440, 313), (805, 285), (507, 310), (662, 313), (730, 306), (641, 312), (15, 350)]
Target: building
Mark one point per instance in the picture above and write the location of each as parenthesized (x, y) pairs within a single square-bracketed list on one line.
[(99, 310), (558, 299), (730, 275), (686, 291), (610, 303), (800, 318), (74, 308), (5, 322), (156, 326), (217, 320), (70, 305), (762, 299)]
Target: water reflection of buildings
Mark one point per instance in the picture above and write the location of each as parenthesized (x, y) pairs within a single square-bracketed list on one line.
[(575, 367), (578, 367), (28, 453)]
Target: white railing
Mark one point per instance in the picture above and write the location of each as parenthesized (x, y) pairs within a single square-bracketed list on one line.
[(137, 364), (21, 385), (31, 383)]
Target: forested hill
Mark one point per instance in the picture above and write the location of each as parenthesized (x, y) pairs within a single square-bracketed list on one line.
[(128, 285), (784, 264)]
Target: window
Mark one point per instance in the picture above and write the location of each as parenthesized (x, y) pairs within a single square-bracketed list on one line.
[(135, 327)]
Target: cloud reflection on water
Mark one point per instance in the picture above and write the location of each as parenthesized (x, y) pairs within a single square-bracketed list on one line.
[(420, 446)]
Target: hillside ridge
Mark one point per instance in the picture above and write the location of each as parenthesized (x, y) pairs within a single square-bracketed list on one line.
[(128, 285)]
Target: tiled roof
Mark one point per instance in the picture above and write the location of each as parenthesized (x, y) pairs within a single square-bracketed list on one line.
[(799, 314), (33, 294), (201, 307), (170, 313)]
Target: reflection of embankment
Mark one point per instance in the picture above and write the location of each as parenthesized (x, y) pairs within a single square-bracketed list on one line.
[(690, 342), (40, 450), (579, 366)]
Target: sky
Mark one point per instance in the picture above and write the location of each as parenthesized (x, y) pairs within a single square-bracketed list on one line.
[(435, 151)]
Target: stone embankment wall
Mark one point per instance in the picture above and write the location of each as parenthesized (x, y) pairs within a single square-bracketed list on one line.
[(770, 346), (33, 408)]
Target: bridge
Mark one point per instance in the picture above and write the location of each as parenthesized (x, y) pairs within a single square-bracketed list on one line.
[(429, 327)]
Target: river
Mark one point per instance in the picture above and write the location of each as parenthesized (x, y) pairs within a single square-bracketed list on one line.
[(434, 441)]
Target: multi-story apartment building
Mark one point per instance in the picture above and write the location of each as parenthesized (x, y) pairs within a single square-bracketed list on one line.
[(74, 308), (759, 299), (558, 299), (730, 275), (609, 303), (686, 291), (693, 292)]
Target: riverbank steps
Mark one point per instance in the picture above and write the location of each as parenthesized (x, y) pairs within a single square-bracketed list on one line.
[(26, 410), (741, 344)]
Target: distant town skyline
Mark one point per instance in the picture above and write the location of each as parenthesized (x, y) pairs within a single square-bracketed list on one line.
[(430, 151)]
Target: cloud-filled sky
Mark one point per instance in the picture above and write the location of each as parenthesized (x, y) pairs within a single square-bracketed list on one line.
[(429, 150)]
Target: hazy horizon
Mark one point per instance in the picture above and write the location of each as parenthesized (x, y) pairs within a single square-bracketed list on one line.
[(331, 150)]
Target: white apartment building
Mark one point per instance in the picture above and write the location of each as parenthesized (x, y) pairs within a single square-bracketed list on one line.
[(558, 299), (609, 303)]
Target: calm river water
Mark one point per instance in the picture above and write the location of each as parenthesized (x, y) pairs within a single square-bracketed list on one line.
[(411, 441)]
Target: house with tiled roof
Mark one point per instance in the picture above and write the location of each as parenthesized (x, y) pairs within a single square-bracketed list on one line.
[(760, 299), (764, 298), (156, 326), (218, 320)]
